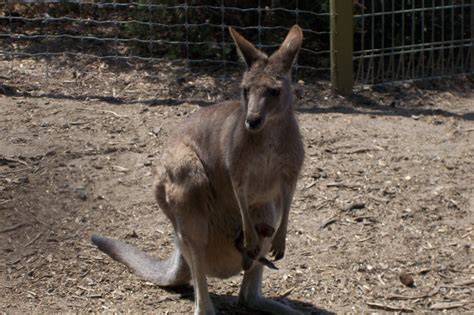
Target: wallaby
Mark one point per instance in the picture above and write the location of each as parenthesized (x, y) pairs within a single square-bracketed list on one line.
[(230, 168)]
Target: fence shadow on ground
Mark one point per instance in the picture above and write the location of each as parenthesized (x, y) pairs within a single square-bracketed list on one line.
[(360, 102), (363, 105)]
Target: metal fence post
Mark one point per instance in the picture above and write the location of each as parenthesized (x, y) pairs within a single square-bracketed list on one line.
[(342, 43)]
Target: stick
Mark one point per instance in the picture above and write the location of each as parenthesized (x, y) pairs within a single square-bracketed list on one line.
[(11, 228), (343, 185), (447, 305), (414, 297), (389, 307), (327, 222), (103, 111), (12, 160), (34, 239), (355, 206)]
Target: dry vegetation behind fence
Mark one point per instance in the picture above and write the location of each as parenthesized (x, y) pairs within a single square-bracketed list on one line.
[(393, 40)]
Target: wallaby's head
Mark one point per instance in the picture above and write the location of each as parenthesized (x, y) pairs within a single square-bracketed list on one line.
[(266, 86)]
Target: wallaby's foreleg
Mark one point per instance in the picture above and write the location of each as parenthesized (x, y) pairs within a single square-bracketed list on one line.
[(250, 294), (251, 240), (279, 240)]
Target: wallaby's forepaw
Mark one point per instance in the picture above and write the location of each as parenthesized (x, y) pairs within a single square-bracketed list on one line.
[(252, 251), (277, 250)]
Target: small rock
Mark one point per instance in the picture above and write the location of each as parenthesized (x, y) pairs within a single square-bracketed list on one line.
[(407, 279), (148, 163), (156, 130), (81, 193)]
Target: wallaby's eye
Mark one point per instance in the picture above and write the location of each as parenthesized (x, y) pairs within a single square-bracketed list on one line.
[(273, 92), (245, 93)]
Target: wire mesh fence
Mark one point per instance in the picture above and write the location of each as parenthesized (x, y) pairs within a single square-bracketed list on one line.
[(393, 40), (153, 30), (408, 39)]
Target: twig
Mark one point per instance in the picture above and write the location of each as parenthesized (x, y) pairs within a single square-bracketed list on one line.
[(365, 239), (362, 150), (389, 307), (120, 168), (322, 204), (414, 297), (354, 206), (327, 222), (34, 239), (103, 111), (458, 284), (77, 123), (286, 293), (12, 160), (447, 305), (310, 185), (12, 228), (343, 185)]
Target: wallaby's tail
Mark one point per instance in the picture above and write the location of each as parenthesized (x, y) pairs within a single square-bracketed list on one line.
[(173, 271)]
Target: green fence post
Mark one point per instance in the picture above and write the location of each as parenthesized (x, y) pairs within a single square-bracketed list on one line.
[(342, 45)]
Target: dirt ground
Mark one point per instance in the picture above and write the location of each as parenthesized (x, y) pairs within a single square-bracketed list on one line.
[(387, 187)]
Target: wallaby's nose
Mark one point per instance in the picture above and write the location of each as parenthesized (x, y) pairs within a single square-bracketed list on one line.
[(254, 123)]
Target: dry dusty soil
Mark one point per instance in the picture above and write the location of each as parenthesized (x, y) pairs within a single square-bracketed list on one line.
[(387, 187)]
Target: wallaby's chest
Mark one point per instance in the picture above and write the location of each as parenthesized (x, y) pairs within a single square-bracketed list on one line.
[(265, 171)]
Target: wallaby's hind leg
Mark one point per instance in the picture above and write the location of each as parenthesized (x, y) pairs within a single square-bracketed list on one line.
[(182, 191), (250, 294), (192, 237), (194, 256)]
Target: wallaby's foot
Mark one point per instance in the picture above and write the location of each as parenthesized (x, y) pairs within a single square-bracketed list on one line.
[(202, 311), (250, 294), (251, 297)]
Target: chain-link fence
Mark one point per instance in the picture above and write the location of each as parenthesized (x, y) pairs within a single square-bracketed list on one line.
[(193, 31), (393, 40)]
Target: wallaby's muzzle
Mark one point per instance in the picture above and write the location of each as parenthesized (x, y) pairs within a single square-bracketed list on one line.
[(254, 122)]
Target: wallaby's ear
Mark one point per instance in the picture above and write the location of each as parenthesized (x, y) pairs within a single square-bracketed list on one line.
[(246, 50), (285, 56)]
